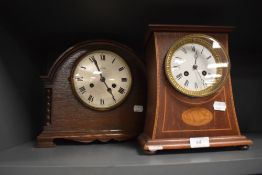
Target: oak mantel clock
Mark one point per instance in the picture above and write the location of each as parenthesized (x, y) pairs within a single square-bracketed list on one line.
[(190, 100), (94, 91)]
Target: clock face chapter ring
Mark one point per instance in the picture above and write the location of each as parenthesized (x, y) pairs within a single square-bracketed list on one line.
[(197, 65), (101, 79)]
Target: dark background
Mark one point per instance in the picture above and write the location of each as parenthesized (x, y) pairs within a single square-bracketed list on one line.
[(34, 33)]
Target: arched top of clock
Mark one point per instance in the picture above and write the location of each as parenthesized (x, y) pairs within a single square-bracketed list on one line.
[(85, 45)]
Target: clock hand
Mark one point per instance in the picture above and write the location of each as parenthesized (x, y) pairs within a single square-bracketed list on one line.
[(95, 62), (195, 56), (195, 66), (103, 79), (197, 76), (203, 81), (109, 90)]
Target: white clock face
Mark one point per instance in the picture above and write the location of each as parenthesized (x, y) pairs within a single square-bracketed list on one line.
[(197, 65), (102, 79), (191, 66)]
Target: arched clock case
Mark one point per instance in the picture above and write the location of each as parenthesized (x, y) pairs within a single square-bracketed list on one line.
[(94, 91)]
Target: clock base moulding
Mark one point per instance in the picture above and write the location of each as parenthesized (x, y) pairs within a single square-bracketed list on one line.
[(166, 125), (153, 145), (66, 117), (48, 138)]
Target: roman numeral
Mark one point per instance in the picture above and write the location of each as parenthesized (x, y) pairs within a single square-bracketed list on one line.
[(124, 79), (121, 90), (179, 76), (113, 60), (79, 78), (202, 50), (82, 89), (90, 98), (208, 57), (184, 50), (186, 83), (92, 58), (103, 57), (121, 68), (102, 101), (196, 86), (176, 66), (83, 67), (193, 48), (204, 84)]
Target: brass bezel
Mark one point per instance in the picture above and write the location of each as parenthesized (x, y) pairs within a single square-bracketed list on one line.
[(202, 40), (73, 85)]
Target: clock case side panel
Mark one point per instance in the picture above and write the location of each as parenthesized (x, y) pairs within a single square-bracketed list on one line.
[(152, 79), (180, 140), (99, 124)]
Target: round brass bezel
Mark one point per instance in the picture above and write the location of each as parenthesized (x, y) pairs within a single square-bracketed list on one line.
[(219, 57)]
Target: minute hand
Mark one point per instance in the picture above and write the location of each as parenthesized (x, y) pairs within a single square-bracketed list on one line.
[(203, 81), (94, 60), (195, 56)]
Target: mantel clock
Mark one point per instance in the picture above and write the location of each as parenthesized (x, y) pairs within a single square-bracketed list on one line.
[(190, 100), (94, 91)]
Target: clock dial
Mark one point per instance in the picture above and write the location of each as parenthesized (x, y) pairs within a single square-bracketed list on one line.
[(102, 79), (195, 67), (191, 68)]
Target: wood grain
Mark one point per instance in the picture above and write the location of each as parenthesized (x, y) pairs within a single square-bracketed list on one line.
[(165, 105), (70, 119)]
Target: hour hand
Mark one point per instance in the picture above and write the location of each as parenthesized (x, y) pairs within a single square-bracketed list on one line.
[(202, 80)]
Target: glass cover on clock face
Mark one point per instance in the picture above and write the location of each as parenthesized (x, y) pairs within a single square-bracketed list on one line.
[(101, 79), (197, 65)]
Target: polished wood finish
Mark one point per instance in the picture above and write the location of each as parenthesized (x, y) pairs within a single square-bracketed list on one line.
[(68, 118), (164, 125)]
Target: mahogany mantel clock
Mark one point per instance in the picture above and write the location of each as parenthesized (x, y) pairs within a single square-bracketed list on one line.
[(94, 91), (190, 101)]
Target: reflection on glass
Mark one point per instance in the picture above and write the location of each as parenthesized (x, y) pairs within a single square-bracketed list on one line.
[(179, 61), (97, 72), (210, 82), (213, 76), (215, 44), (175, 68), (217, 65)]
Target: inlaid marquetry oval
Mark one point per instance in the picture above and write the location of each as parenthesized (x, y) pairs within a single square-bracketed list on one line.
[(197, 116)]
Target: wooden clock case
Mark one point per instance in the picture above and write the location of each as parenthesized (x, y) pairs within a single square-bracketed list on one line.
[(164, 128), (67, 118)]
